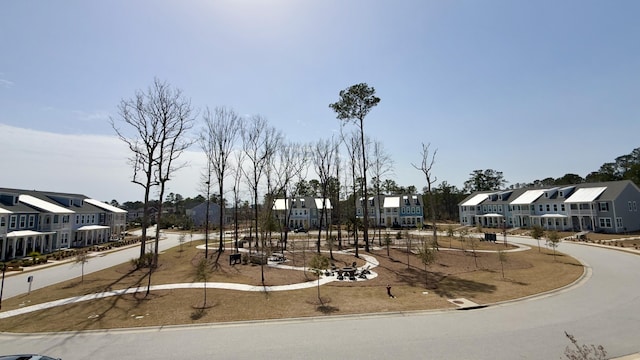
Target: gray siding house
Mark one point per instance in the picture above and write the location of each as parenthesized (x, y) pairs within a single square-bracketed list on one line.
[(609, 207)]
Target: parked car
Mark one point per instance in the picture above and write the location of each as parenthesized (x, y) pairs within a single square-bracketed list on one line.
[(300, 230), (27, 357)]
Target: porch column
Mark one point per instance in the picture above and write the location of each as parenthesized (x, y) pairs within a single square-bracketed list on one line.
[(4, 248)]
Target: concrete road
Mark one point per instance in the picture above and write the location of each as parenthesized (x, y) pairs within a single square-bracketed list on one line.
[(603, 309), (16, 284)]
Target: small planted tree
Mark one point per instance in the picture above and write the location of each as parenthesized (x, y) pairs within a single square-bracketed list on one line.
[(202, 272), (427, 256), (537, 232), (502, 256), (473, 244), (463, 237), (82, 257), (318, 264), (387, 241), (553, 240), (450, 233), (182, 239)]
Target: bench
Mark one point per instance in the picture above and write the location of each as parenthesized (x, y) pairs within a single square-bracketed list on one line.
[(235, 259)]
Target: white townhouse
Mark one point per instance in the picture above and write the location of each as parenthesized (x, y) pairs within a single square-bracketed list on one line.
[(396, 210), (302, 212), (47, 221), (610, 207), (111, 216), (31, 224)]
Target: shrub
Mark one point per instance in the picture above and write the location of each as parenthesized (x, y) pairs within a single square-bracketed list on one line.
[(27, 262), (245, 258), (398, 235)]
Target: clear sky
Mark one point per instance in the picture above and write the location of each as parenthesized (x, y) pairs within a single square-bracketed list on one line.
[(534, 89)]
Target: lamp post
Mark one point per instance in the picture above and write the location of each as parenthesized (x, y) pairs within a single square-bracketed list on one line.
[(504, 230), (4, 269)]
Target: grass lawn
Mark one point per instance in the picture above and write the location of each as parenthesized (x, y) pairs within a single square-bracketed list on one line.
[(454, 274)]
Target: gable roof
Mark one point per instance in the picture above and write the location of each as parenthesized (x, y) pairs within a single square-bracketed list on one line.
[(476, 199), (585, 195), (391, 202), (528, 197), (43, 205), (105, 206)]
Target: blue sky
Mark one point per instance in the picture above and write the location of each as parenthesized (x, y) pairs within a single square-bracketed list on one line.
[(533, 89)]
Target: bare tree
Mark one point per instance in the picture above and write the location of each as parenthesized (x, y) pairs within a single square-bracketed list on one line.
[(174, 112), (143, 143), (237, 176), (354, 104), (292, 161), (159, 119), (259, 142), (382, 165), (217, 140), (426, 166), (324, 152)]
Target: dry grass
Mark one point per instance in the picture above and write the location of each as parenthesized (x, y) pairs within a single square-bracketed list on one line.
[(454, 274)]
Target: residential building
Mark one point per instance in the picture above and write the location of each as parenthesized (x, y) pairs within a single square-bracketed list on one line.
[(610, 207), (198, 215), (393, 210), (47, 221), (302, 212)]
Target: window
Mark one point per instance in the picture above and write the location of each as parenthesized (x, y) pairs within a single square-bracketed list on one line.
[(23, 221), (484, 208), (12, 221), (630, 206), (540, 207), (55, 219), (605, 222), (77, 219), (619, 222), (555, 207), (499, 208), (548, 208), (561, 207), (604, 206), (3, 221), (359, 211), (635, 206), (32, 220)]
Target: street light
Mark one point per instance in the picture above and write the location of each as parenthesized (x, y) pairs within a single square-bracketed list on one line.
[(504, 230)]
